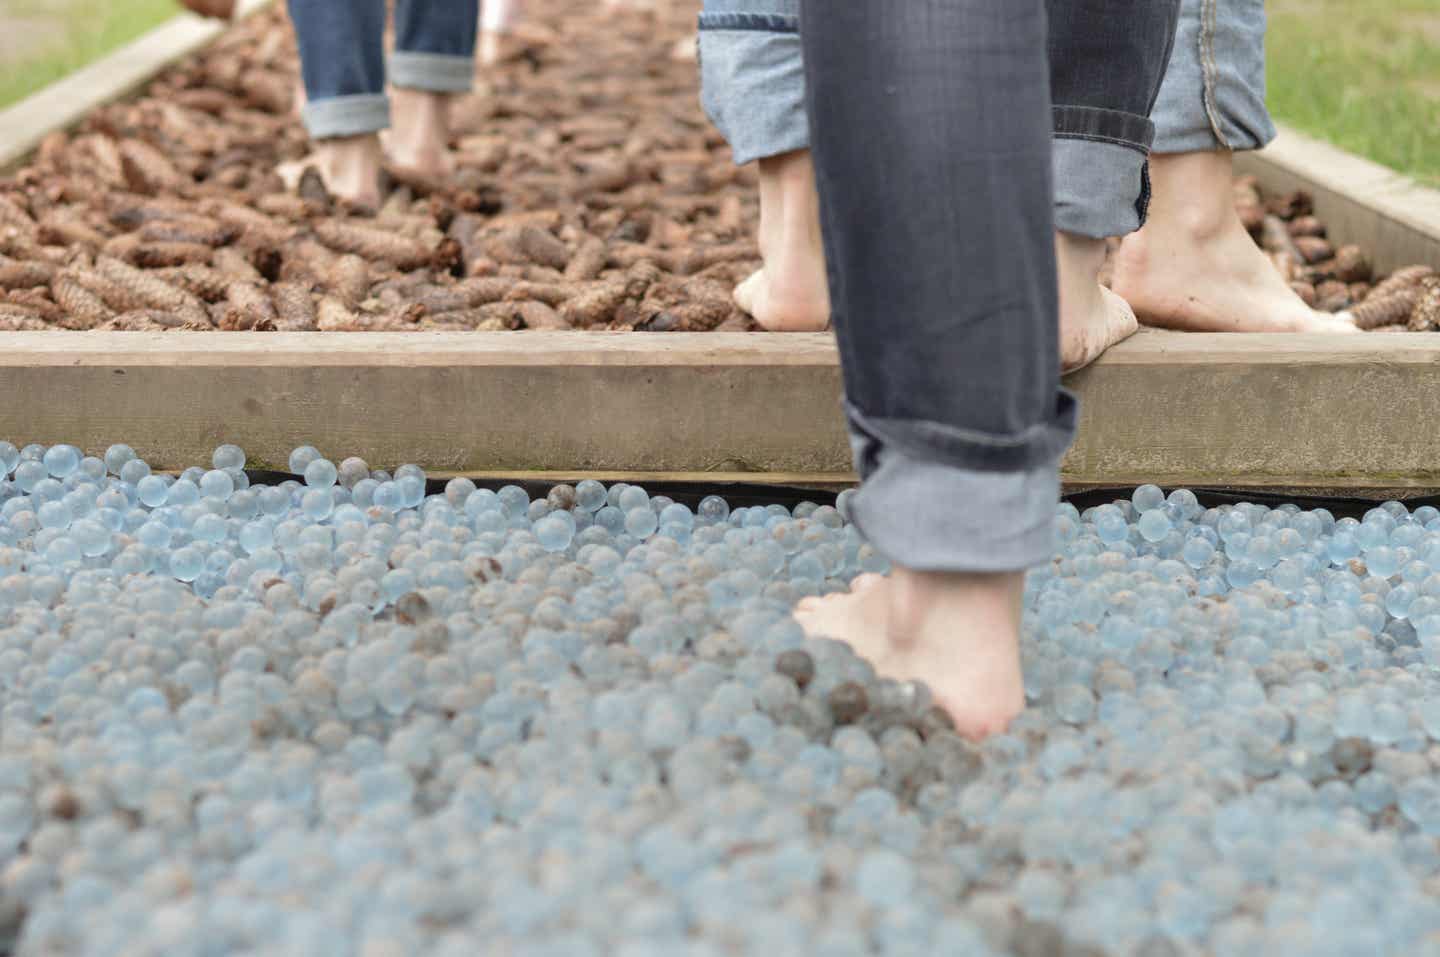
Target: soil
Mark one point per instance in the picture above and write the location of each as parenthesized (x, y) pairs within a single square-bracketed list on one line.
[(591, 193)]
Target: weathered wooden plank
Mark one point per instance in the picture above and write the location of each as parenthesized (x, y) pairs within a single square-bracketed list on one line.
[(1198, 410), (1396, 220)]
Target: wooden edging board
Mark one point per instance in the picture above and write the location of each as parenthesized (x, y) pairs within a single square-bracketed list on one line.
[(1346, 414), (1393, 218), (65, 102)]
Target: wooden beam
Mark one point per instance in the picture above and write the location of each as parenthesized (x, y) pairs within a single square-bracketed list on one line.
[(1316, 412), (1393, 218)]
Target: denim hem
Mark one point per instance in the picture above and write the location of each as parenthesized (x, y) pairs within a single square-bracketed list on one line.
[(752, 86), (970, 449), (1204, 140), (756, 22), (1213, 95), (432, 72), (932, 517), (1102, 189), (346, 115), (1109, 126)]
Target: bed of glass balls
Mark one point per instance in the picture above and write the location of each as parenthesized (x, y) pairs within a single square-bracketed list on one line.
[(339, 716)]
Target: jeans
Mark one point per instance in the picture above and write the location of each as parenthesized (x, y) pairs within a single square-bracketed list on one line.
[(1213, 95), (343, 64), (935, 145), (1214, 91)]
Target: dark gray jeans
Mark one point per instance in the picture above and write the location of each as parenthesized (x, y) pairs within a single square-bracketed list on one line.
[(931, 125)]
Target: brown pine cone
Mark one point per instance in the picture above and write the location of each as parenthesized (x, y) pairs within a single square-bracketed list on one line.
[(1400, 279), (1376, 311), (22, 322), (150, 289), (294, 307), (1351, 264), (540, 246), (403, 252), (83, 309), (1425, 317), (24, 274), (588, 261), (596, 305), (148, 170), (165, 255), (249, 308)]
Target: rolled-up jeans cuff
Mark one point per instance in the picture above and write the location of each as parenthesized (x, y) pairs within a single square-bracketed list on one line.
[(432, 72), (1031, 447), (752, 82), (1213, 96), (346, 115), (1102, 188), (929, 516)]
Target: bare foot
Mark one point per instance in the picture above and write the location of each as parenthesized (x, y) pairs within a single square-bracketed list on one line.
[(1092, 318), (1194, 267), (791, 293), (419, 137), (959, 633), (349, 166)]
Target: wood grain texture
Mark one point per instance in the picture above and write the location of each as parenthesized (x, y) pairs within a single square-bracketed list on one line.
[(1200, 410), (1393, 218)]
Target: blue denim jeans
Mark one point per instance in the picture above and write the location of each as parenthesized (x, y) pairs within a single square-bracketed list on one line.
[(1212, 97), (343, 63)]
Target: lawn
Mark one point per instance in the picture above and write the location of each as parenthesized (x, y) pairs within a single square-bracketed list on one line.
[(43, 40), (1363, 74)]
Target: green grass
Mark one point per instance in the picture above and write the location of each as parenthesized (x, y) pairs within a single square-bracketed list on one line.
[(48, 39), (1362, 74)]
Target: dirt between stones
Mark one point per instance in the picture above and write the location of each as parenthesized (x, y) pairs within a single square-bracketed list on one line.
[(591, 193)]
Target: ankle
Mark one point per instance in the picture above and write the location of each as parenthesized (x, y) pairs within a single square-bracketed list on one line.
[(349, 154), (1192, 195)]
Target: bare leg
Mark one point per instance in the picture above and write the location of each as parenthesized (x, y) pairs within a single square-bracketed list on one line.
[(419, 137), (1092, 318), (789, 294), (349, 165), (957, 632), (1194, 267)]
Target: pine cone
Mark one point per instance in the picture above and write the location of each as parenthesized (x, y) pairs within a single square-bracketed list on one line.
[(1313, 249), (1400, 279), (540, 246), (1351, 264), (192, 229), (588, 261), (22, 322), (404, 253), (1375, 311), (294, 307), (201, 281), (537, 315), (1425, 317), (148, 170), (151, 290), (596, 305), (12, 215), (249, 308), (24, 274), (84, 309), (233, 263), (165, 255)]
